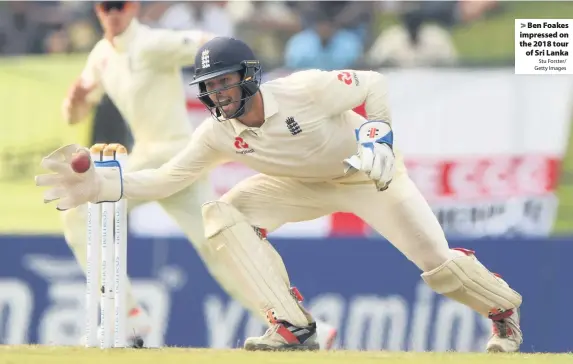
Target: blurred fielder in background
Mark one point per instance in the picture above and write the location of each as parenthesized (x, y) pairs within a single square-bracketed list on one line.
[(140, 70), (316, 156)]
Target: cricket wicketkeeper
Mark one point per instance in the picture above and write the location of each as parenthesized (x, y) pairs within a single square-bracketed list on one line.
[(315, 157)]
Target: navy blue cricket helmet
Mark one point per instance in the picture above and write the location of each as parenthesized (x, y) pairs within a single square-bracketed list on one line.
[(220, 56)]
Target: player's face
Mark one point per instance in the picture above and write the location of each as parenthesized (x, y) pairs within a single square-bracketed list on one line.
[(228, 98), (115, 16)]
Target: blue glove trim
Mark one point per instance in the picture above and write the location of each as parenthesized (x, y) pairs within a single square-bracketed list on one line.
[(368, 145), (386, 139), (111, 164)]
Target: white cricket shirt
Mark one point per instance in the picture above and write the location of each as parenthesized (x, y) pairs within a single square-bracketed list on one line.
[(309, 130), (141, 72)]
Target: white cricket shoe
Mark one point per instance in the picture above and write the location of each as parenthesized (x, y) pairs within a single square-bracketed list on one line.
[(138, 327), (506, 336), (282, 336)]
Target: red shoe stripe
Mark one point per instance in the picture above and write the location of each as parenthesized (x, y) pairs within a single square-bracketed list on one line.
[(287, 335)]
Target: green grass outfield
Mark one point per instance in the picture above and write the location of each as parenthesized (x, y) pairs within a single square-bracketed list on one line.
[(31, 93), (61, 355)]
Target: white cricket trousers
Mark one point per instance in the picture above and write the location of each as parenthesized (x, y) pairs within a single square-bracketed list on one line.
[(400, 214)]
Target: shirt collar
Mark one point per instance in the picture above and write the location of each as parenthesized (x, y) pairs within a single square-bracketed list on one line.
[(122, 41), (271, 107)]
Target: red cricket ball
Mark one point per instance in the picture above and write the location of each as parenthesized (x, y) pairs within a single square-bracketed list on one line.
[(81, 162)]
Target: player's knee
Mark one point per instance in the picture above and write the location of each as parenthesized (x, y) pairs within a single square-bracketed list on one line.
[(438, 258), (235, 197), (219, 216), (463, 252)]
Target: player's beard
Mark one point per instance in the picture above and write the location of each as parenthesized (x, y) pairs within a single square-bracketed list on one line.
[(228, 107)]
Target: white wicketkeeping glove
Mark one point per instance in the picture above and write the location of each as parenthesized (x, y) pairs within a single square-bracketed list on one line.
[(73, 189), (375, 156)]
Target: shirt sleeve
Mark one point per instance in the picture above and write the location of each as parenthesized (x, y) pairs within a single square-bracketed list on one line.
[(174, 47), (181, 171), (91, 78), (335, 92)]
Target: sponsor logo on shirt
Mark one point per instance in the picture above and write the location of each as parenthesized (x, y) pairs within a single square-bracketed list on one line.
[(242, 146), (346, 77)]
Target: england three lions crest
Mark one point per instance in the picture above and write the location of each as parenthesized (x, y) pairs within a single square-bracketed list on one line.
[(293, 126)]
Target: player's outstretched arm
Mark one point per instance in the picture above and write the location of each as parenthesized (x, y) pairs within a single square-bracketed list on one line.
[(107, 183), (85, 92), (172, 177)]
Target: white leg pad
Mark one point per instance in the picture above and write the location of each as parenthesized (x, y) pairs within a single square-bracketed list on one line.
[(241, 260), (464, 279)]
